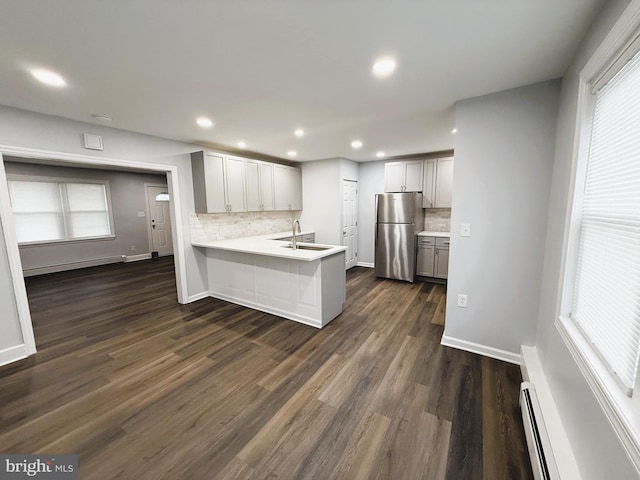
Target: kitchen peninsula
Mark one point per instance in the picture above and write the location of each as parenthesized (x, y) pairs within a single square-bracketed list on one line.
[(307, 284)]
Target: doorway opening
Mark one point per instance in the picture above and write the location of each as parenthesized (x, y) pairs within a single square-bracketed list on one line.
[(350, 222), (173, 214), (159, 224)]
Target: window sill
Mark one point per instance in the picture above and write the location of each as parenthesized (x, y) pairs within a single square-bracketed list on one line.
[(622, 412)]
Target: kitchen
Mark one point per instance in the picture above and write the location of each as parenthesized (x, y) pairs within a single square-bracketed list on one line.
[(510, 180)]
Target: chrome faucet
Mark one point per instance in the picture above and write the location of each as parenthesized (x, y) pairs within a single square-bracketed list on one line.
[(294, 244)]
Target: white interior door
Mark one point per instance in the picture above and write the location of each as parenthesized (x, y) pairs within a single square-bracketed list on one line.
[(160, 219), (350, 222)]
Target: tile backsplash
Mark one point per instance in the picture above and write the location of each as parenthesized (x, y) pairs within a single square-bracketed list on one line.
[(437, 219), (223, 226)]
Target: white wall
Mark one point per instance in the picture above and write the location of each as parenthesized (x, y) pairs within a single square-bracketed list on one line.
[(322, 200), (503, 161), (596, 448), (371, 182), (10, 331)]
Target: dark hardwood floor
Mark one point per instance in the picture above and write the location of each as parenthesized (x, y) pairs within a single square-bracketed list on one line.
[(143, 388)]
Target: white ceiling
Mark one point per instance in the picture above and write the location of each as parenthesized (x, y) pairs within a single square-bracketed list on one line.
[(261, 68)]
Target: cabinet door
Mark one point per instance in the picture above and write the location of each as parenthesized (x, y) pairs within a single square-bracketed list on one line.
[(424, 261), (444, 182), (252, 178), (266, 186), (295, 185), (281, 180), (428, 183), (394, 177), (413, 176), (235, 184), (441, 263), (214, 181)]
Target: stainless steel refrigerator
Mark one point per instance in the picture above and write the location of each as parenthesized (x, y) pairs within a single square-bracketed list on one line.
[(399, 217)]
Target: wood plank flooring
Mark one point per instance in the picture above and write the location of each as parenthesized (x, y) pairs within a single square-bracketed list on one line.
[(144, 388)]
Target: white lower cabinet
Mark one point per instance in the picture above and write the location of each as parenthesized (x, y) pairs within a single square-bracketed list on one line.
[(432, 257)]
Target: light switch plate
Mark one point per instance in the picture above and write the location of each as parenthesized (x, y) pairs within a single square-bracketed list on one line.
[(92, 142), (142, 214), (465, 230)]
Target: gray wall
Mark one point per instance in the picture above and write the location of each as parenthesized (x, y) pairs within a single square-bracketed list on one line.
[(128, 197), (597, 450), (503, 162)]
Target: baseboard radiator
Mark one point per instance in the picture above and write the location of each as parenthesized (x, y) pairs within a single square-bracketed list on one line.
[(543, 463), (62, 267)]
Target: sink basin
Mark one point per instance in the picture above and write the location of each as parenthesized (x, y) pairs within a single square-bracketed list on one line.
[(307, 247)]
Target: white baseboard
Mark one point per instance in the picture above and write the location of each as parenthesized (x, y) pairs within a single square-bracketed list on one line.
[(197, 296), (496, 353), (13, 354), (532, 372), (273, 311), (365, 264), (29, 272), (137, 258)]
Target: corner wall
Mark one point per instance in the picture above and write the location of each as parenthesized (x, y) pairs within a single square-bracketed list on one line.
[(502, 175)]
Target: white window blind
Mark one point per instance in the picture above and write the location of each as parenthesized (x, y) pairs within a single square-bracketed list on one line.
[(53, 211), (607, 290)]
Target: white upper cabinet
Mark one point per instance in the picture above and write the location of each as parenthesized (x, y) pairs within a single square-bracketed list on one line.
[(236, 186), (404, 176), (259, 186), (287, 184), (208, 182), (226, 183), (438, 182)]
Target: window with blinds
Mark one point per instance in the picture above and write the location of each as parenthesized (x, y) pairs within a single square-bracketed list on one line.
[(54, 211), (606, 303)]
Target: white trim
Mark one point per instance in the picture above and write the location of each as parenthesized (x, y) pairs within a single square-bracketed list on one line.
[(62, 267), (604, 387), (137, 258), (533, 372), (15, 263), (177, 226), (263, 308), (198, 296), (13, 354), (496, 353), (365, 264)]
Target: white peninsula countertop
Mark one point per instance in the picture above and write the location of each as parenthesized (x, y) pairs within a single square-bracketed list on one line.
[(263, 273), (270, 246), (431, 233)]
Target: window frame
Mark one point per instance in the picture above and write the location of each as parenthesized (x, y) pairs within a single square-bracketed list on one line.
[(622, 412), (65, 207)]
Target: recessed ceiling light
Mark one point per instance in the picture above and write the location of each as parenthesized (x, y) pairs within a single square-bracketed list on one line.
[(48, 77), (356, 144), (241, 144), (454, 130), (384, 67), (204, 122), (103, 118), (292, 153), (299, 132), (380, 154)]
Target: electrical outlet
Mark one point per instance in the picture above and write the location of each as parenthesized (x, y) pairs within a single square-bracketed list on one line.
[(465, 230), (133, 248), (462, 300)]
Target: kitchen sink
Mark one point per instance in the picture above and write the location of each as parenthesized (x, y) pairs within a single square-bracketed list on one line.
[(307, 247)]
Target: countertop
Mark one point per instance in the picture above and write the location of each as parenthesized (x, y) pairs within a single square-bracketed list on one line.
[(430, 233), (269, 245)]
